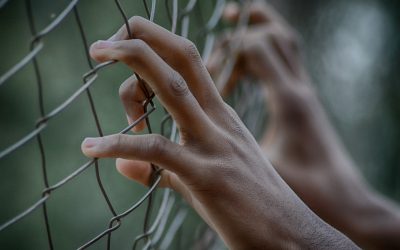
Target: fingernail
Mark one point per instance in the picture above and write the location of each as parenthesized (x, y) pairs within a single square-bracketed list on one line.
[(90, 142), (101, 44)]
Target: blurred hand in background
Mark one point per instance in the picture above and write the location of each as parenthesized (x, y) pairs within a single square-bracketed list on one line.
[(299, 139)]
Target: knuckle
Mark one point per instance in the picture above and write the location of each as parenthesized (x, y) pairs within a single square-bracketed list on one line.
[(177, 85), (230, 111), (138, 46), (115, 143), (190, 52), (133, 23)]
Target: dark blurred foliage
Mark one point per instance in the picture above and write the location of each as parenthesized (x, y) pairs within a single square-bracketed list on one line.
[(352, 51)]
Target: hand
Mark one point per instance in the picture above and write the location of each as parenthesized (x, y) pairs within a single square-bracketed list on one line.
[(218, 166), (267, 49), (299, 140)]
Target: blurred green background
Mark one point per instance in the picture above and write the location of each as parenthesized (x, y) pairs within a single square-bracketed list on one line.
[(351, 48)]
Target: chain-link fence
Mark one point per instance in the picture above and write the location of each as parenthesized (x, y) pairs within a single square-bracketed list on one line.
[(161, 217)]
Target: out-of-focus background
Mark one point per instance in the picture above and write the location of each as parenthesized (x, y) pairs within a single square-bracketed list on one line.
[(351, 49)]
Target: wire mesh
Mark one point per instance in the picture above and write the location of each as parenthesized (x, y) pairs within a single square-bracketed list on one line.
[(156, 233)]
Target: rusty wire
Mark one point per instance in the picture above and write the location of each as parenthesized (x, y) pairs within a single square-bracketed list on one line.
[(158, 233)]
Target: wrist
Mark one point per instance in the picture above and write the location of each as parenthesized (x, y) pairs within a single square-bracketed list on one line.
[(284, 222), (305, 230), (314, 233), (376, 224)]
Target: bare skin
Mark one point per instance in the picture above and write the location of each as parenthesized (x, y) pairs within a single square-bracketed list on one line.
[(218, 166), (299, 140)]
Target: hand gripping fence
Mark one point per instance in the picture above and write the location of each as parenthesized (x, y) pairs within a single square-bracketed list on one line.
[(157, 234)]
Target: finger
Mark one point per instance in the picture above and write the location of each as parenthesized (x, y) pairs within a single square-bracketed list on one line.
[(253, 58), (142, 172), (259, 12), (180, 53), (216, 65), (220, 53), (220, 58), (283, 44), (286, 101), (166, 83), (148, 148), (133, 97), (139, 171)]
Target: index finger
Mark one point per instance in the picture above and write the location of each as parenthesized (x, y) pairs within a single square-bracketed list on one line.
[(180, 53), (166, 83)]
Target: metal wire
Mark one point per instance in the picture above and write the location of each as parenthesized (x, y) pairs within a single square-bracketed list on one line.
[(158, 234)]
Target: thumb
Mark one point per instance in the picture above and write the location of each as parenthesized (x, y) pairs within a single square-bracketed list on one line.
[(148, 148), (142, 172)]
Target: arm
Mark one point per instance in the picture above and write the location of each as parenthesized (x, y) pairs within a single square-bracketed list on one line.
[(300, 142), (218, 166)]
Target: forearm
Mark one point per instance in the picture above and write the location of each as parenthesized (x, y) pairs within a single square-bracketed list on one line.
[(260, 221), (348, 203), (311, 232), (334, 190), (376, 224)]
